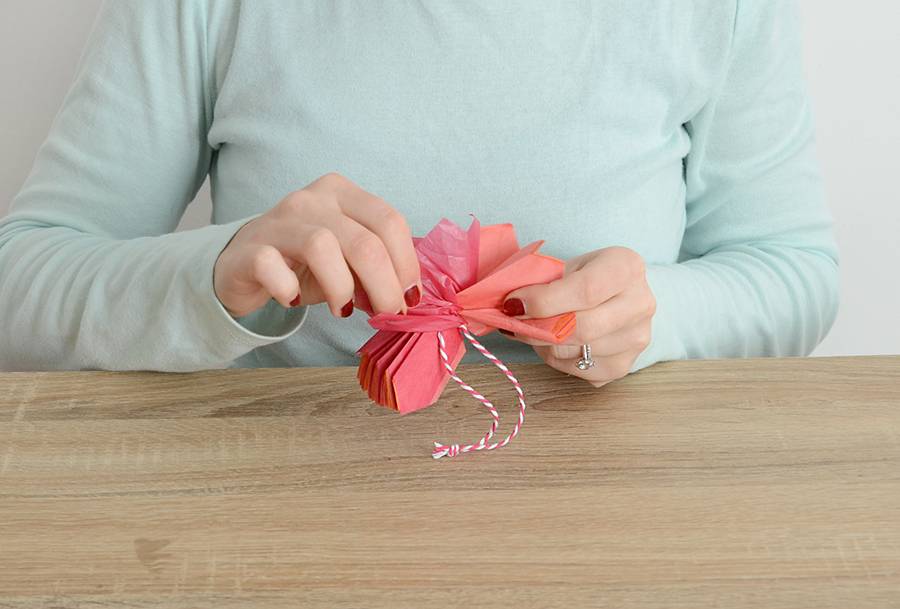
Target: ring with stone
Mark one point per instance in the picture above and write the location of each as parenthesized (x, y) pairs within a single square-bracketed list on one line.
[(585, 362)]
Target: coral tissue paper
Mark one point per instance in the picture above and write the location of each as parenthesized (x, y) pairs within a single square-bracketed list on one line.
[(466, 274)]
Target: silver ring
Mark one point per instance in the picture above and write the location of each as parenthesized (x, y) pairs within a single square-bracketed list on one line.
[(585, 363)]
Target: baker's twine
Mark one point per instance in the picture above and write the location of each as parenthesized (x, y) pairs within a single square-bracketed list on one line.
[(452, 450)]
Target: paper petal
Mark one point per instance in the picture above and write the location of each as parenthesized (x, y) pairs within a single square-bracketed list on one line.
[(522, 269), (497, 242), (391, 371), (415, 321), (450, 251), (369, 356), (422, 377), (378, 390), (549, 329)]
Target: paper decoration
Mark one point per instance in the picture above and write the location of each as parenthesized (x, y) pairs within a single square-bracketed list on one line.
[(466, 275)]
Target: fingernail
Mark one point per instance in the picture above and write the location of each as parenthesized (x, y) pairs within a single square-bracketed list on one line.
[(296, 301), (506, 332), (412, 296), (514, 307), (347, 309)]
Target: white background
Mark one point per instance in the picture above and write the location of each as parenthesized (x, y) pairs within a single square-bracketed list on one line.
[(851, 58)]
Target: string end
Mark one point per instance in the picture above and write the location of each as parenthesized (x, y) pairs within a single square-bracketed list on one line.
[(444, 451), (439, 451)]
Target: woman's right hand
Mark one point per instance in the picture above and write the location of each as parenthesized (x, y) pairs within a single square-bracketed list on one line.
[(313, 246)]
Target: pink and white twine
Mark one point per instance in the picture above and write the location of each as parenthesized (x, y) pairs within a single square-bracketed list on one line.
[(452, 450)]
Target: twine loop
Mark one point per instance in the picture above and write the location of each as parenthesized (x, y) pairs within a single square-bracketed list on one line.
[(452, 450)]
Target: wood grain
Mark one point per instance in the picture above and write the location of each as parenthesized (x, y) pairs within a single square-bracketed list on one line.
[(754, 483)]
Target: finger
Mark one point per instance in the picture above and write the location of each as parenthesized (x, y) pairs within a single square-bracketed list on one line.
[(319, 249), (566, 352), (269, 269), (391, 227), (598, 279), (368, 257), (336, 193), (621, 311), (364, 250), (623, 318), (325, 260), (631, 339), (525, 339)]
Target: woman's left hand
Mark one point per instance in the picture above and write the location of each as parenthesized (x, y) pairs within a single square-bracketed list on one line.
[(614, 307)]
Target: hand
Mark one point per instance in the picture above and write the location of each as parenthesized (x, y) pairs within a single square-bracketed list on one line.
[(314, 246), (613, 307)]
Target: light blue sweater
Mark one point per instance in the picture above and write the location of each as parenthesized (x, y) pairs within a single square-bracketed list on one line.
[(678, 128)]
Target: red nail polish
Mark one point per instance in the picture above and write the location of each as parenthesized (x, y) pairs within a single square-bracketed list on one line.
[(506, 332), (514, 307), (347, 309), (412, 296), (296, 301)]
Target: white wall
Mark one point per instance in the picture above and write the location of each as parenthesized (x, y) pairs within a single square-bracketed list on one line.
[(852, 70), (40, 42), (851, 58), (39, 45)]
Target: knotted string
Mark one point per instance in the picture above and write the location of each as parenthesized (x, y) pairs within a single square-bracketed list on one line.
[(452, 450)]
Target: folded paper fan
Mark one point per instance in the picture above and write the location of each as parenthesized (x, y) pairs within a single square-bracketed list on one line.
[(466, 274)]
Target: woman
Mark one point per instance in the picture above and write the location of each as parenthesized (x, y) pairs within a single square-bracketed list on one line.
[(665, 149)]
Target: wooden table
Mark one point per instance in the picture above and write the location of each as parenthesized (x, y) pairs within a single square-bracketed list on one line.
[(756, 483)]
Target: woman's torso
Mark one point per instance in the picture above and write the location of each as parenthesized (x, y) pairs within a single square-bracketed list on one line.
[(566, 120)]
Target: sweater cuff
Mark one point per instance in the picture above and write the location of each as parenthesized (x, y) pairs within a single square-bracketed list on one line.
[(665, 342), (236, 336)]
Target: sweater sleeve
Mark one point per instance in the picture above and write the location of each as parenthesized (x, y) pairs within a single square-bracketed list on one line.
[(91, 274), (758, 273)]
